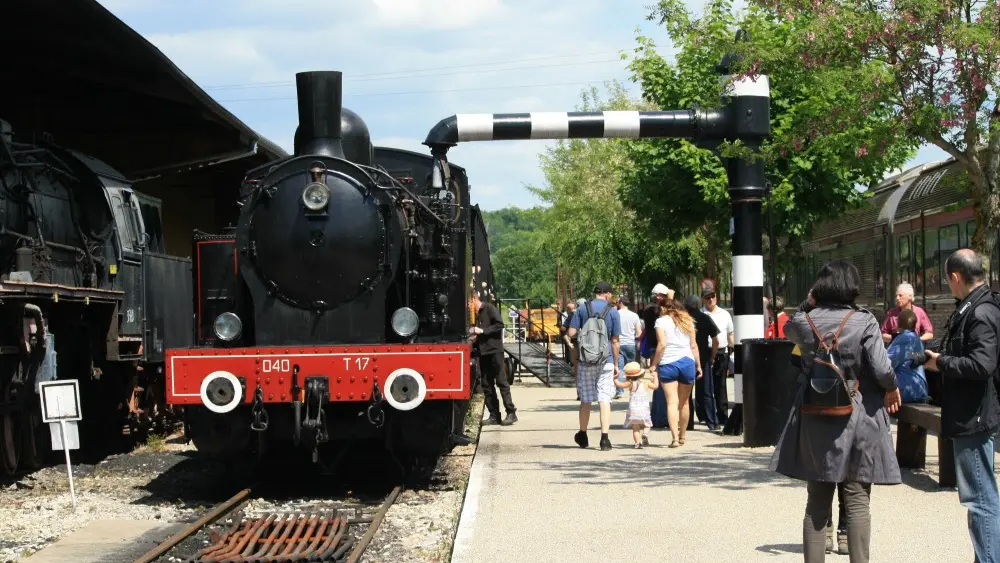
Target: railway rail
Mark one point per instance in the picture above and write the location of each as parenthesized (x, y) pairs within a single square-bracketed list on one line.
[(288, 535)]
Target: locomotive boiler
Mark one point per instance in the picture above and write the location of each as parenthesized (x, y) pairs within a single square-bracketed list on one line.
[(337, 308)]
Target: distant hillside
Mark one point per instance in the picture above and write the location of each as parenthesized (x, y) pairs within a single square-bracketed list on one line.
[(522, 266)]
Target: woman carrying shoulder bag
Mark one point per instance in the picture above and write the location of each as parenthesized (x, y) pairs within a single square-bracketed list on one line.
[(838, 430)]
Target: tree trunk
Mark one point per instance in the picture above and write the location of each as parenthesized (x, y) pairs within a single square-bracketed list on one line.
[(983, 169), (986, 207), (790, 254), (988, 210), (987, 220)]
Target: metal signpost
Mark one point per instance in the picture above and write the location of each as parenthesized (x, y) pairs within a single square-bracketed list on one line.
[(61, 410)]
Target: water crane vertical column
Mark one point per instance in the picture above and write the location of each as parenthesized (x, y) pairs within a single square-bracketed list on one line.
[(749, 117), (746, 189)]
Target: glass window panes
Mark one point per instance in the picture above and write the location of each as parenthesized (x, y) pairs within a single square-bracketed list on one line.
[(879, 269), (126, 233), (947, 243), (903, 253), (918, 262)]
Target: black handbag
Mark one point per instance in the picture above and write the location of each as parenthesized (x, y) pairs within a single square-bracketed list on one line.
[(828, 392)]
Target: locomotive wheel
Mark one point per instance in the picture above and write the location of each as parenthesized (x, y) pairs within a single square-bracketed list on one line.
[(11, 434)]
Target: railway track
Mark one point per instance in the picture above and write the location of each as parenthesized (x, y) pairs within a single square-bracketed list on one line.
[(315, 531)]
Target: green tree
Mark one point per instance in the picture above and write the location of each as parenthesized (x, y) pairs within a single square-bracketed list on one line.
[(813, 172), (588, 228), (522, 265), (928, 69)]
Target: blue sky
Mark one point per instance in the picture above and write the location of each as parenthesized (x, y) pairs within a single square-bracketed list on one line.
[(406, 64)]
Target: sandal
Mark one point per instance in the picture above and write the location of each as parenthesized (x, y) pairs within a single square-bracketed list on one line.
[(638, 446), (680, 441), (674, 444)]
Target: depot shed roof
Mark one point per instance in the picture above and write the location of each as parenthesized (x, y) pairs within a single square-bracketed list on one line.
[(72, 70)]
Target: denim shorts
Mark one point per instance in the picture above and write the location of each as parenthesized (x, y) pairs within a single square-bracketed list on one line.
[(683, 371)]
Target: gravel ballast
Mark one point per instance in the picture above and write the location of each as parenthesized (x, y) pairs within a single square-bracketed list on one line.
[(37, 509), (169, 482)]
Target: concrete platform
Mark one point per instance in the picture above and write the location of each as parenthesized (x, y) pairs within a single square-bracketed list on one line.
[(535, 497), (107, 541)]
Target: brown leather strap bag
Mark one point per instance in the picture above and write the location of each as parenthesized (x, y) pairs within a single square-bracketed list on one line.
[(828, 392)]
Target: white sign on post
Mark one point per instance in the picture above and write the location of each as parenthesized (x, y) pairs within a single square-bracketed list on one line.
[(60, 400), (61, 410)]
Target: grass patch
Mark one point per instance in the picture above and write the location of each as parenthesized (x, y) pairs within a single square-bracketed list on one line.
[(154, 443), (474, 416)]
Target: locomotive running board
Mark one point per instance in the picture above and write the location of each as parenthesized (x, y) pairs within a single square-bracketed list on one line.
[(55, 292)]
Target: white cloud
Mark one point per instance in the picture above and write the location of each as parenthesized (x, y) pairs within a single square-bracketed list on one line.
[(552, 51), (198, 51), (436, 14)]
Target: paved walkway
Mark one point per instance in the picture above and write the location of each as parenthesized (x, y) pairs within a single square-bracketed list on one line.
[(107, 541), (535, 497)]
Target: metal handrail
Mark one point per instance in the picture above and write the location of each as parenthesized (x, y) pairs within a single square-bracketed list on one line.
[(519, 335)]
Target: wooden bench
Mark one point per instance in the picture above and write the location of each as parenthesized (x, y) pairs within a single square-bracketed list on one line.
[(914, 420)]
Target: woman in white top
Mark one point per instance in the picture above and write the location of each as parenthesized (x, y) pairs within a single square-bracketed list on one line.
[(676, 349)]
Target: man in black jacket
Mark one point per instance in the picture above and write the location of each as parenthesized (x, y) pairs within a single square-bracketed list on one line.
[(970, 413), (488, 346)]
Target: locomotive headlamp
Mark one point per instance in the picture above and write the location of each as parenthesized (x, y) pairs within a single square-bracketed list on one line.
[(405, 321), (228, 326), (316, 196)]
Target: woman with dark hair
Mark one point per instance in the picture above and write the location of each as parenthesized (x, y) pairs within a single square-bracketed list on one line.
[(851, 443)]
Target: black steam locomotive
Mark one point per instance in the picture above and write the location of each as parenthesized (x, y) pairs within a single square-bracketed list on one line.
[(337, 308), (85, 294)]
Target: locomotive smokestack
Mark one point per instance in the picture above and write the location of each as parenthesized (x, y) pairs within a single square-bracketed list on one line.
[(320, 97)]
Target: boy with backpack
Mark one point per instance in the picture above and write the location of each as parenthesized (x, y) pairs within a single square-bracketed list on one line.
[(596, 326)]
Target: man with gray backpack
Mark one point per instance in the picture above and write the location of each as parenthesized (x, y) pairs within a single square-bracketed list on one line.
[(596, 326)]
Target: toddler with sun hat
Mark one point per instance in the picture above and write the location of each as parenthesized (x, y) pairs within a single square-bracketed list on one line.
[(639, 386)]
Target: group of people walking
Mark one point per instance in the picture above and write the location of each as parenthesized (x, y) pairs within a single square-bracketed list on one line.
[(672, 346)]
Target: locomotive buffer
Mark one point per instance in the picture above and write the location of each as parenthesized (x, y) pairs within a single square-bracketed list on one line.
[(744, 117)]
